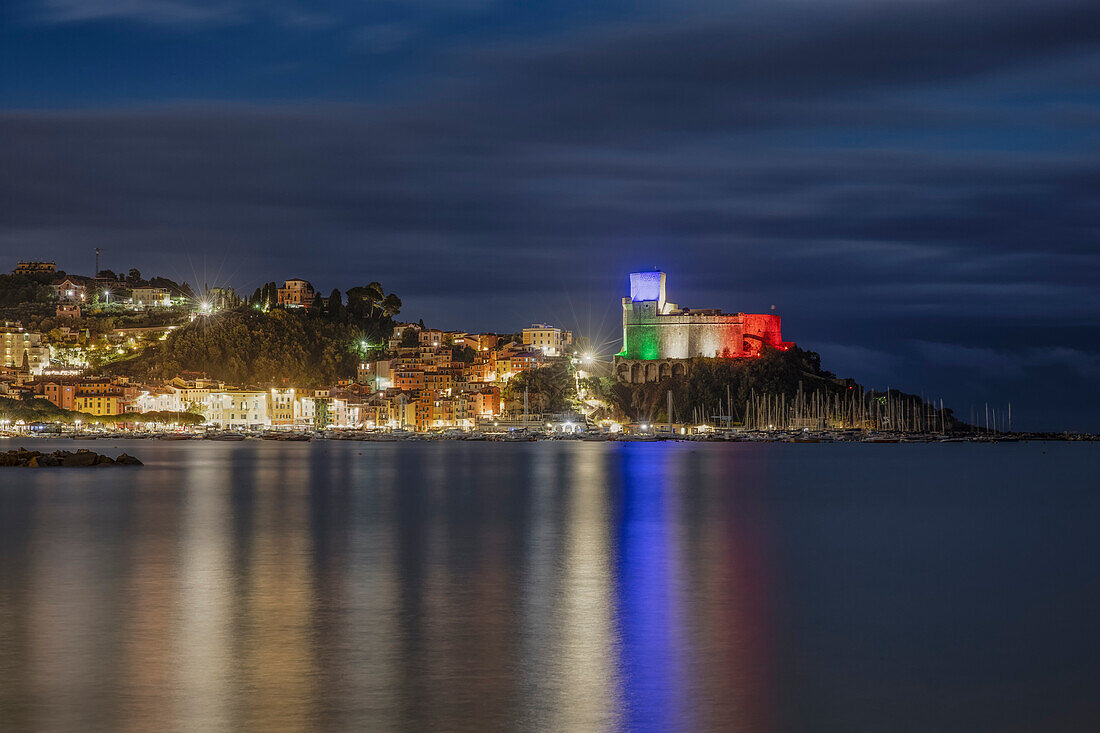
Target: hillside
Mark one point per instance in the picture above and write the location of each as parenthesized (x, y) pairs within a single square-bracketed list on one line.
[(777, 374), (249, 347)]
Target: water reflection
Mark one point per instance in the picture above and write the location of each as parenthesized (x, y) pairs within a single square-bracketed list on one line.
[(450, 586), (389, 587)]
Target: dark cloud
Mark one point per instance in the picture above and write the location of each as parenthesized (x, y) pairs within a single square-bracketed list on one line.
[(868, 169)]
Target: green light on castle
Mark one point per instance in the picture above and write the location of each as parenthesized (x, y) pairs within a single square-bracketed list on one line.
[(642, 343)]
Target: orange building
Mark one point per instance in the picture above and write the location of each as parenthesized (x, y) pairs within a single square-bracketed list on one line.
[(296, 293), (409, 379)]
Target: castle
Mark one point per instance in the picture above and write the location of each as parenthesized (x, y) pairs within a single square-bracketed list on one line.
[(660, 339)]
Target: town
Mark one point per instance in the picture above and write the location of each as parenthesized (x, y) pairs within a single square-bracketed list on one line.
[(416, 378), (152, 356)]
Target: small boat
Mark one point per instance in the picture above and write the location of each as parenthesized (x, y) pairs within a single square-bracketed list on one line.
[(83, 436), (174, 436)]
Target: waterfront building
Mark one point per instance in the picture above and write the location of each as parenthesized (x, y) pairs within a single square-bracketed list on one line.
[(283, 404), (660, 338), (100, 404), (159, 399), (238, 409), (194, 391)]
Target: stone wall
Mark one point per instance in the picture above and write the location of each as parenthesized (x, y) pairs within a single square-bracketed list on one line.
[(640, 371)]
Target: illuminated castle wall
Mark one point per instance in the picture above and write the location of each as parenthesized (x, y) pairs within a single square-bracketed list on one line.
[(660, 338)]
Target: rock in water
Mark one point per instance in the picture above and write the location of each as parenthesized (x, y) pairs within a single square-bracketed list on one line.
[(81, 459)]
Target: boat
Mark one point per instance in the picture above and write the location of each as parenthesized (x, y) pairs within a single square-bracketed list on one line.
[(174, 436), (83, 436)]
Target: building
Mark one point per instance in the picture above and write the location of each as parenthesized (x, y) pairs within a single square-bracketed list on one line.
[(154, 399), (150, 297), (238, 408), (22, 349), (193, 391), (375, 373), (99, 404), (68, 290), (67, 310), (660, 338), (296, 293), (99, 396), (550, 340), (283, 404), (33, 268), (510, 363)]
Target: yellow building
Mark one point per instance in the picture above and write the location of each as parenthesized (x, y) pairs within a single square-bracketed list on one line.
[(238, 408), (30, 268), (99, 404), (282, 407), (547, 339)]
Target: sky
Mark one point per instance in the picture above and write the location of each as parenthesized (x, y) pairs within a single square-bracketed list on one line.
[(912, 184)]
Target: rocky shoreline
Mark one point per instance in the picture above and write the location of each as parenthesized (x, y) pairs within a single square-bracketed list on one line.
[(81, 458)]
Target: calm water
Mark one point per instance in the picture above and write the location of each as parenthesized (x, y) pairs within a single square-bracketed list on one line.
[(553, 587)]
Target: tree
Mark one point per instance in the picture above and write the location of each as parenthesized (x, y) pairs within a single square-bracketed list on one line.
[(335, 311), (391, 305), (321, 418), (134, 277), (550, 388), (464, 354)]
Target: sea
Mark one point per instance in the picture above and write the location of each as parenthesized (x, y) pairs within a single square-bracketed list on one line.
[(553, 586)]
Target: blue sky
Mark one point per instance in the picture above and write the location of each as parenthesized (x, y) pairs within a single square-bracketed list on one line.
[(913, 184)]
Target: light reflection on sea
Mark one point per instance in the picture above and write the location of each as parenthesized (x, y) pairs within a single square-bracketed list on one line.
[(552, 586)]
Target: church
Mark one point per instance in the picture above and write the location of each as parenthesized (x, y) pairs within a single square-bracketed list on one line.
[(660, 338)]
